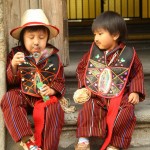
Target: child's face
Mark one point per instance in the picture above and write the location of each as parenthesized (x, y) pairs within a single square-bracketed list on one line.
[(104, 40), (35, 41)]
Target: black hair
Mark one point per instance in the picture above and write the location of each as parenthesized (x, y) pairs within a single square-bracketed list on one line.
[(112, 22), (32, 29)]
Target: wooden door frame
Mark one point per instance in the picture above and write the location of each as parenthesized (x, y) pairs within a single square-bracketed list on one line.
[(6, 41)]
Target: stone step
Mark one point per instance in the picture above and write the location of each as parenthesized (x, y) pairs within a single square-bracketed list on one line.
[(140, 137), (80, 46), (97, 148), (77, 50), (70, 71), (82, 31), (72, 86), (84, 38)]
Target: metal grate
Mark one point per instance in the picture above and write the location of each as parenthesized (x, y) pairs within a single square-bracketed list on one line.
[(89, 9), (83, 9), (127, 8), (146, 8)]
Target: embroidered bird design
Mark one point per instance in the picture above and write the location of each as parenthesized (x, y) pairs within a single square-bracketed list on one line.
[(97, 56), (122, 60)]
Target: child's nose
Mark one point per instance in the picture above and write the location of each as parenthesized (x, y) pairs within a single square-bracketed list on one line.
[(96, 38), (36, 42)]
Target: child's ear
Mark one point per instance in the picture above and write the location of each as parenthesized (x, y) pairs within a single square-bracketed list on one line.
[(116, 36)]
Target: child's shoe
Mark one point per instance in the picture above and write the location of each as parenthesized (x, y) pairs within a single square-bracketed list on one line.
[(82, 146), (30, 145)]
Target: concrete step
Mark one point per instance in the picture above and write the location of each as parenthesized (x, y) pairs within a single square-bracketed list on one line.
[(85, 46), (84, 38), (140, 136), (83, 32), (72, 86), (97, 148), (78, 49), (140, 139)]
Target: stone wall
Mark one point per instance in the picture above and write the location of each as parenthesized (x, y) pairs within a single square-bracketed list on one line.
[(2, 71)]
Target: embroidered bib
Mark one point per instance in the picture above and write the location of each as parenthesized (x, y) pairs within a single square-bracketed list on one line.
[(108, 80), (31, 73)]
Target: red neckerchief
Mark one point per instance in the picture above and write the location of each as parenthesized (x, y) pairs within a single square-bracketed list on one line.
[(113, 107), (111, 116)]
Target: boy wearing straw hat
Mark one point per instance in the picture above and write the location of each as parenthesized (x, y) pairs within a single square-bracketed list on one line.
[(35, 80)]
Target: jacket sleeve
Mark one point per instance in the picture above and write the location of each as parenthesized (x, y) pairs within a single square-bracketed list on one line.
[(12, 80), (137, 78), (80, 71), (59, 82)]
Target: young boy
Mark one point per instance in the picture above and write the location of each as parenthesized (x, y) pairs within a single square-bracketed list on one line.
[(112, 74), (35, 81)]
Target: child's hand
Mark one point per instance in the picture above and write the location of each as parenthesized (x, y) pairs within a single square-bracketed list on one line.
[(46, 90), (17, 59), (133, 98)]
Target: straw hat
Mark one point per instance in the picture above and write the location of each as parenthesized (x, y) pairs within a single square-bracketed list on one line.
[(34, 17)]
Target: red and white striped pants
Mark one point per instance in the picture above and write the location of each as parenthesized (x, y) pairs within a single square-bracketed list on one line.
[(14, 106), (92, 122)]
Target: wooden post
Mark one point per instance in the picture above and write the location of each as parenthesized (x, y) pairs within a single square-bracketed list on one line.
[(2, 72), (56, 11)]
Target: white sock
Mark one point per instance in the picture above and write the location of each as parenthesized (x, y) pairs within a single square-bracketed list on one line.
[(83, 140)]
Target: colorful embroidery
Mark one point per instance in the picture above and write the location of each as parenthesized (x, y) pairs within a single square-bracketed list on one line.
[(122, 60), (104, 80), (97, 56)]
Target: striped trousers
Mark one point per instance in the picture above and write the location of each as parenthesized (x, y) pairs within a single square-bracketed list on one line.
[(92, 122), (15, 106)]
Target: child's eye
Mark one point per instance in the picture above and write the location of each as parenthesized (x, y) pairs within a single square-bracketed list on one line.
[(42, 37), (100, 33), (31, 37)]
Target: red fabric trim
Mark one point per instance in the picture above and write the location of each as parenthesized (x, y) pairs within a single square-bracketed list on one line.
[(29, 23), (111, 116), (38, 117)]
